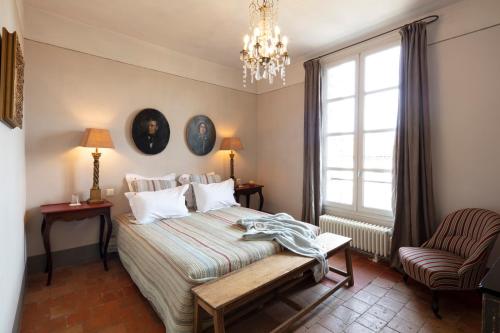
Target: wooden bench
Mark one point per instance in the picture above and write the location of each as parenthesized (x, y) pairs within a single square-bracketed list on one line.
[(273, 274)]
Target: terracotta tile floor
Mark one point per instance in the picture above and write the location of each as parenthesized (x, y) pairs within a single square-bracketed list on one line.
[(87, 299)]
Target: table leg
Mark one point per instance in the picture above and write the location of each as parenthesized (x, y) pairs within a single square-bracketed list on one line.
[(43, 233), (48, 255), (219, 322), (102, 222), (248, 200), (197, 318), (261, 203), (108, 236), (348, 264)]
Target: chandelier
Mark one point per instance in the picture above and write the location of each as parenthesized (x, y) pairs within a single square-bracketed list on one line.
[(264, 53)]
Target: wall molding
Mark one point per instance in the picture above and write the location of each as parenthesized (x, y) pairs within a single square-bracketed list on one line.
[(19, 310), (69, 257), (133, 65), (49, 28)]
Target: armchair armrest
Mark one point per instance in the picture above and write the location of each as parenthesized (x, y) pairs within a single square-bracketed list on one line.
[(480, 254), (432, 242), (426, 243), (477, 259)]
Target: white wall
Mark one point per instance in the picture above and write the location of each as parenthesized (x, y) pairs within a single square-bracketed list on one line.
[(465, 113), (280, 141), (68, 91), (465, 83), (12, 197)]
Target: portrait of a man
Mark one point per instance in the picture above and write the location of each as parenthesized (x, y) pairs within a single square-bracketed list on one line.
[(200, 135), (150, 131)]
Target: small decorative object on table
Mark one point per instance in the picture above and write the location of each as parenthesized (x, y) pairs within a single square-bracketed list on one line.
[(75, 200), (231, 144), (248, 190), (96, 138), (67, 213)]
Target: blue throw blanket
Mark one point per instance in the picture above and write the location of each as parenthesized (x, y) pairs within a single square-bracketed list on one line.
[(294, 235)]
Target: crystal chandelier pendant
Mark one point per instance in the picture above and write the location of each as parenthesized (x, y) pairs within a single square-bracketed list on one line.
[(265, 51)]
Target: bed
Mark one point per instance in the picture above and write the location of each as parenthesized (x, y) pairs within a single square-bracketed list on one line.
[(169, 257)]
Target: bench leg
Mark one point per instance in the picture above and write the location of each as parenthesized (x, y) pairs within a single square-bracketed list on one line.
[(219, 322), (348, 264), (197, 317)]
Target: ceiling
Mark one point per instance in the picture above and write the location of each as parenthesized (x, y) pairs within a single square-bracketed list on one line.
[(213, 29)]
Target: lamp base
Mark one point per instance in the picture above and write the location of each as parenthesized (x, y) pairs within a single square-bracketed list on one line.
[(95, 196), (231, 164)]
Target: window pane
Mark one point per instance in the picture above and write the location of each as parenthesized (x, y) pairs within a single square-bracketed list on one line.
[(378, 150), (339, 150), (339, 191), (340, 116), (384, 177), (381, 110), (340, 174), (341, 80), (382, 69), (377, 195)]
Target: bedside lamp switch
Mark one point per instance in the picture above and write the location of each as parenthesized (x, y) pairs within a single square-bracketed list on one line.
[(110, 192)]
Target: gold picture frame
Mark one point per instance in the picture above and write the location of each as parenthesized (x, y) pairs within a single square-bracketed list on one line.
[(11, 80)]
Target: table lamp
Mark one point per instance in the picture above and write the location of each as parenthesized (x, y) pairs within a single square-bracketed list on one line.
[(96, 138), (231, 144)]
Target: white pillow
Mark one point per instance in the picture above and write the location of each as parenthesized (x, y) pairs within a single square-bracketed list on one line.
[(214, 196), (207, 178), (130, 177), (149, 207)]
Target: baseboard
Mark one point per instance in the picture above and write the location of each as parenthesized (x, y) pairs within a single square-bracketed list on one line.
[(70, 257), (17, 320)]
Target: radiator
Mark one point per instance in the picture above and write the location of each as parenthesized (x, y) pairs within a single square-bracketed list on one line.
[(367, 237)]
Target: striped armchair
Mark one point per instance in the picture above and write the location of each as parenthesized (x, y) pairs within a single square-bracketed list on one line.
[(455, 256)]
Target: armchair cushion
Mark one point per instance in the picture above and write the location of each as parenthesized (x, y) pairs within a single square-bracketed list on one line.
[(436, 269)]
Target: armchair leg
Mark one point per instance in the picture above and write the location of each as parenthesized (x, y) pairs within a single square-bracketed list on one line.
[(405, 278), (435, 304)]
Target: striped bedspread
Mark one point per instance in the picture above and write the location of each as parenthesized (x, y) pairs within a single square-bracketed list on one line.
[(167, 258)]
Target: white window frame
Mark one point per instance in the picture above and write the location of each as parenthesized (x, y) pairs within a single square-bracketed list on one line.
[(357, 53)]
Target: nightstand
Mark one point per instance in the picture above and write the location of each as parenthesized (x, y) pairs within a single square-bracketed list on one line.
[(65, 212), (247, 190)]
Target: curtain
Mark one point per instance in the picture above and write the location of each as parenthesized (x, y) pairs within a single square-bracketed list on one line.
[(311, 201), (413, 193)]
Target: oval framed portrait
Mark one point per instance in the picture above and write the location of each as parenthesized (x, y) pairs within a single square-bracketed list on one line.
[(150, 131), (200, 135)]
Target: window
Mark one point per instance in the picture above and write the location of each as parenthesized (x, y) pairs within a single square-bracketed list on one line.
[(360, 103)]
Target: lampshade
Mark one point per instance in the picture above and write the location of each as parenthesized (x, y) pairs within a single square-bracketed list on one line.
[(97, 138), (231, 144)]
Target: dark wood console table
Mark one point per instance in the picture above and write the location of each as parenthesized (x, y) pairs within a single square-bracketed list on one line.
[(247, 190), (65, 212)]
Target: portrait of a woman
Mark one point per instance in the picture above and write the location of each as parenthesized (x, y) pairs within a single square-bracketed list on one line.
[(200, 135)]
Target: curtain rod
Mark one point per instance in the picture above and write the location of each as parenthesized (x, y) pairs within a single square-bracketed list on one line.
[(427, 20)]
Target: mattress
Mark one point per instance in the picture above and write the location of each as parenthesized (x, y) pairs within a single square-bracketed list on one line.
[(167, 258)]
